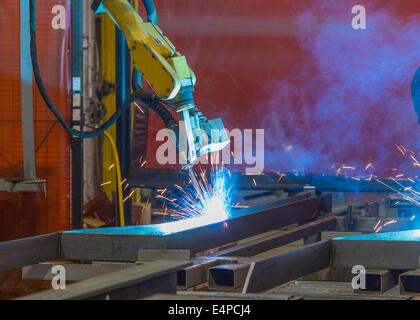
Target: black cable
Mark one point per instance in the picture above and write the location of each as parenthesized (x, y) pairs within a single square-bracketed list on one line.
[(45, 137), (149, 100), (47, 100)]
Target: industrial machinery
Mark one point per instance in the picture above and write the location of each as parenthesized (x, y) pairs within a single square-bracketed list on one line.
[(249, 253), (168, 74)]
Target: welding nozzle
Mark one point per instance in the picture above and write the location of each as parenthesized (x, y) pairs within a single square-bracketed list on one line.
[(202, 136)]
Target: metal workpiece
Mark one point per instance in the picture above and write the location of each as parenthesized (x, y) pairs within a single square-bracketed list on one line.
[(230, 273), (74, 272), (371, 224), (340, 183), (228, 276), (131, 283), (281, 238), (197, 273), (122, 244), (289, 182), (270, 272), (24, 252), (409, 282), (218, 272), (150, 255), (379, 281), (393, 250)]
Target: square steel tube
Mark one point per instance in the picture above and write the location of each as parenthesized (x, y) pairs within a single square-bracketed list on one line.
[(122, 244), (24, 252)]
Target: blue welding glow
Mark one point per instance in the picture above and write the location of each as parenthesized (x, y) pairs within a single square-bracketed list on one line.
[(187, 224), (210, 204), (411, 235), (207, 203), (162, 229), (209, 200)]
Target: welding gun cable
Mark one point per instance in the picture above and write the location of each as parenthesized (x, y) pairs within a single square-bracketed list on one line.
[(415, 93), (46, 98), (149, 100), (151, 11)]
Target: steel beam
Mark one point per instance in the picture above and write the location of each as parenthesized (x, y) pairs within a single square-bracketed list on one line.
[(131, 283), (280, 239), (291, 182), (24, 252), (150, 255), (274, 271), (375, 254), (197, 274), (122, 244), (74, 272), (368, 224)]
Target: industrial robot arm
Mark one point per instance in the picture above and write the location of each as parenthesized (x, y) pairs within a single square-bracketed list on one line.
[(168, 73)]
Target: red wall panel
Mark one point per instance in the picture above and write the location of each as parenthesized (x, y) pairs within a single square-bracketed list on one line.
[(25, 214), (325, 94)]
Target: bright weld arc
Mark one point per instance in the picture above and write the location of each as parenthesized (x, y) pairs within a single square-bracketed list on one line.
[(209, 201)]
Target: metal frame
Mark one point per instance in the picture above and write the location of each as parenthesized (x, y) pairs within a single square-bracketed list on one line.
[(131, 283), (122, 244), (290, 182), (153, 277), (390, 252)]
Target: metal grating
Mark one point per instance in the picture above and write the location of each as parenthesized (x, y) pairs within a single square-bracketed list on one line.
[(331, 290)]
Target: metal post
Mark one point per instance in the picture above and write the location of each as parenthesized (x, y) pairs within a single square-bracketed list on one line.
[(78, 123), (26, 94), (123, 89)]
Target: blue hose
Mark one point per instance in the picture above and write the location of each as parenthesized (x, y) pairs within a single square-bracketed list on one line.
[(415, 92), (151, 11)]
